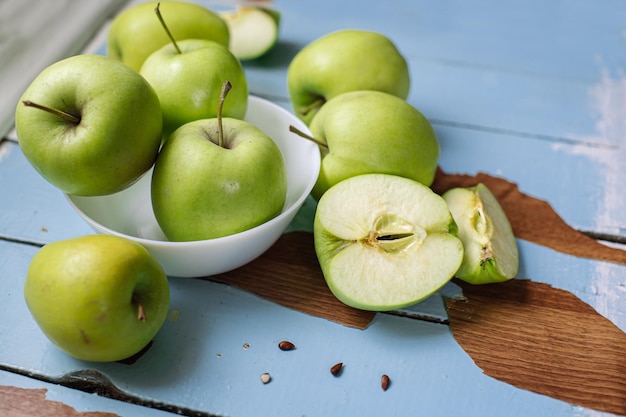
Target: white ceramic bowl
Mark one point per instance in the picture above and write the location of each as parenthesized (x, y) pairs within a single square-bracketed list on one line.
[(129, 213)]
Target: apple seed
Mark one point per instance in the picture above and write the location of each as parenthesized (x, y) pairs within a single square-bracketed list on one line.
[(286, 345), (384, 382)]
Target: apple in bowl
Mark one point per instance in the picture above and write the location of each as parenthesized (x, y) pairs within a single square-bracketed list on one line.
[(130, 214)]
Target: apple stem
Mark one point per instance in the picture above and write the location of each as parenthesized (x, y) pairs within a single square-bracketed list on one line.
[(67, 116), (141, 312), (316, 104), (220, 130), (157, 10), (308, 137)]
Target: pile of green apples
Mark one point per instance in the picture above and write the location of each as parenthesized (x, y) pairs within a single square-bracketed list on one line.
[(94, 124), (171, 95), (383, 238)]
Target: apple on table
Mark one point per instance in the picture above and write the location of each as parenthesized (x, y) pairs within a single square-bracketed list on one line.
[(99, 298), (385, 242), (491, 253), (362, 132), (342, 61), (253, 30)]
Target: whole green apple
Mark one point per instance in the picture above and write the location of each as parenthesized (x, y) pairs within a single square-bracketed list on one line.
[(491, 253), (188, 83), (253, 30), (362, 132), (89, 124), (99, 298), (135, 33), (342, 61), (385, 242), (212, 180)]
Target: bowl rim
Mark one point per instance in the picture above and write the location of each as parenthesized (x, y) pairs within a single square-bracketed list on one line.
[(240, 235)]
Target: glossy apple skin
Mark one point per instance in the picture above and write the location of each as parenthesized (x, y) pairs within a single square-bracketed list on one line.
[(203, 191), (342, 61), (373, 132), (117, 139), (189, 84), (84, 292), (136, 32)]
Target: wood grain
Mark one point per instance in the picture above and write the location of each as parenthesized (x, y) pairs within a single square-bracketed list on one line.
[(533, 219), (289, 274), (544, 340), (22, 402)]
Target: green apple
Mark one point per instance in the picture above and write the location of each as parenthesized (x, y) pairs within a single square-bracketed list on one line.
[(135, 33), (99, 298), (188, 76), (217, 177), (89, 124), (363, 132), (385, 242), (342, 61), (491, 253), (253, 30)]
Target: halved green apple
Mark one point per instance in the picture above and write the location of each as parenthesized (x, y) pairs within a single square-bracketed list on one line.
[(253, 30), (491, 253), (385, 242)]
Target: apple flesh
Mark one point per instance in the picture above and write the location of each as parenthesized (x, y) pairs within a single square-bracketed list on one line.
[(385, 242), (491, 253), (98, 298), (188, 83), (364, 132), (113, 137), (135, 33), (253, 30), (343, 61), (202, 189)]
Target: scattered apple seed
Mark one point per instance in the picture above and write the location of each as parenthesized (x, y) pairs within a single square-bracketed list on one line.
[(384, 382), (286, 345), (336, 369)]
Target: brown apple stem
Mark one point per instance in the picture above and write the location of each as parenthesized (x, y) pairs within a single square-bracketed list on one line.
[(141, 312), (67, 116), (220, 130), (316, 104), (157, 10), (308, 137)]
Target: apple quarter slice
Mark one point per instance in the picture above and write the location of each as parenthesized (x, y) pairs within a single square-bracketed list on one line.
[(253, 30), (491, 253), (385, 242)]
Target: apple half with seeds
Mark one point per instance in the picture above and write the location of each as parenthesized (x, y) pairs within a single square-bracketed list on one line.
[(385, 242), (253, 30), (491, 253)]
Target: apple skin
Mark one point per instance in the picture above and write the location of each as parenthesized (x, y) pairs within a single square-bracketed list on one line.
[(136, 32), (342, 61), (83, 293), (385, 242), (373, 132), (189, 84), (117, 139), (201, 190)]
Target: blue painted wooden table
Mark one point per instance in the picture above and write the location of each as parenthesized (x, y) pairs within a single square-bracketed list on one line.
[(526, 91)]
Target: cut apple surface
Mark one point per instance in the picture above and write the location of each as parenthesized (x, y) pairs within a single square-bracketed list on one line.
[(384, 241), (253, 30), (490, 249)]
